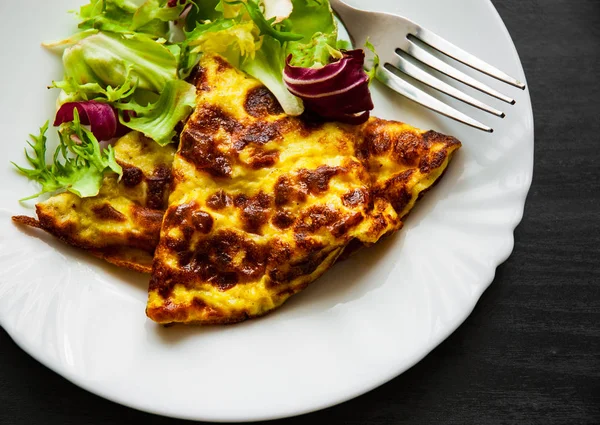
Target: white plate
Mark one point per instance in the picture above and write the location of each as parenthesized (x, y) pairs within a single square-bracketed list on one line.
[(362, 324)]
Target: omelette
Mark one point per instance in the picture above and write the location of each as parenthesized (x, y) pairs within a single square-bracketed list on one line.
[(122, 223), (262, 204)]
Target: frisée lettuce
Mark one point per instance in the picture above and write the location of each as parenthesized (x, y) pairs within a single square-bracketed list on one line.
[(78, 165), (158, 120)]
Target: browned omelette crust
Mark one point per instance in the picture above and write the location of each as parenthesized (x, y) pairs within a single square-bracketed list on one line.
[(263, 203), (122, 223)]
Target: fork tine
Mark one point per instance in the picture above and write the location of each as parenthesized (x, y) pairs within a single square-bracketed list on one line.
[(416, 95), (418, 74), (430, 60), (460, 55)]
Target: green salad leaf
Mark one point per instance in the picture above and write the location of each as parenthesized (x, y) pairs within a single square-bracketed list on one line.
[(203, 10), (375, 62), (112, 59), (313, 19), (158, 120), (266, 26), (315, 54), (60, 45), (228, 37), (343, 45), (150, 17), (111, 15), (79, 163), (157, 10), (73, 91)]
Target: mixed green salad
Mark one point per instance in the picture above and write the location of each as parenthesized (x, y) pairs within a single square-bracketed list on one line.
[(127, 66)]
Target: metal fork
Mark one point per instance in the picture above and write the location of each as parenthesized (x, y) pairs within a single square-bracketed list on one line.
[(392, 34)]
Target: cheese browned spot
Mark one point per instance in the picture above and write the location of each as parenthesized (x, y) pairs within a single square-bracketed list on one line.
[(260, 102), (105, 212), (219, 200), (355, 198), (263, 203)]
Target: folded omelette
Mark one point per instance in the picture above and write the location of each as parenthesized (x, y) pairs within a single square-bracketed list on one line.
[(262, 203)]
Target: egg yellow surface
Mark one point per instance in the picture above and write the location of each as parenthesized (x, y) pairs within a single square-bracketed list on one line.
[(262, 204)]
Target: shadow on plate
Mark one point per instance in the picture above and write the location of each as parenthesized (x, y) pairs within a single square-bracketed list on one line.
[(83, 258)]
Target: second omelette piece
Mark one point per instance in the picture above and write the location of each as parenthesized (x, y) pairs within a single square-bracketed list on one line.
[(263, 203)]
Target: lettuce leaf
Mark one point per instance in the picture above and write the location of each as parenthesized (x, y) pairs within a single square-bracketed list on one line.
[(310, 17), (114, 16), (74, 92), (315, 54), (113, 59), (343, 45), (150, 17), (375, 62), (227, 37), (203, 10), (314, 20), (266, 25), (78, 165), (158, 120), (59, 46), (157, 10)]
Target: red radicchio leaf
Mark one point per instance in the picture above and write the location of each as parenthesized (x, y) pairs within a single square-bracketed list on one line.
[(339, 90), (101, 117)]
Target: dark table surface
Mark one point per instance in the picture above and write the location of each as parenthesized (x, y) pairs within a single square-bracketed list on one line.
[(530, 351)]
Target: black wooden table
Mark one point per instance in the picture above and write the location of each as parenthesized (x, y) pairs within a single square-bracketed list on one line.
[(530, 352)]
